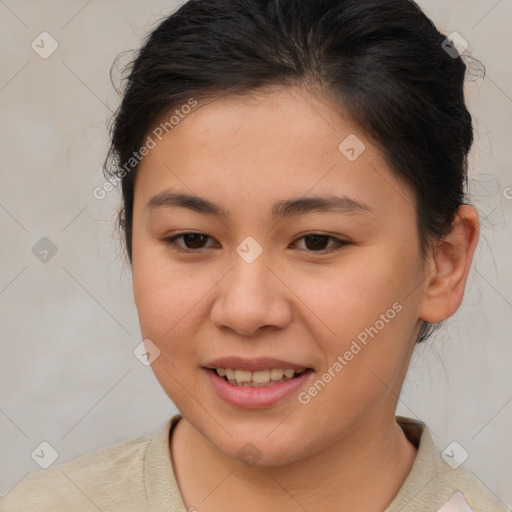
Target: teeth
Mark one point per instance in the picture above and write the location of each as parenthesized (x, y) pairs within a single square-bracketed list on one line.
[(276, 374), (261, 376), (258, 378), (243, 376)]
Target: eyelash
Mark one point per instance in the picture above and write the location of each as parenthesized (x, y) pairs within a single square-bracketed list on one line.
[(171, 241)]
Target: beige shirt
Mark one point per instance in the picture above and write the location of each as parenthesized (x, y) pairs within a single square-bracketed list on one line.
[(137, 476)]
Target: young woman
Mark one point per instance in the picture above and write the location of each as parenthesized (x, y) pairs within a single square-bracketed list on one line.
[(293, 178)]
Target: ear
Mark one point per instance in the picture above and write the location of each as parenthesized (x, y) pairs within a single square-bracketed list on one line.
[(449, 267)]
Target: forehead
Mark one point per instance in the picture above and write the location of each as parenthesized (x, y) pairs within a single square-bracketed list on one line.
[(266, 147)]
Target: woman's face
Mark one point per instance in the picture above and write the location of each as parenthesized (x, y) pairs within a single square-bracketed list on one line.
[(258, 286)]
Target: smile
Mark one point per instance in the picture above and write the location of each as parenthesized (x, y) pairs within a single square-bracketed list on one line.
[(260, 378), (256, 389)]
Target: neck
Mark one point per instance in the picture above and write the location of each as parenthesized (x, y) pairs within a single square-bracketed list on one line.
[(362, 471)]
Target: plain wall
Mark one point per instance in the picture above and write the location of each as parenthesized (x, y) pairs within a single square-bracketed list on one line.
[(68, 326)]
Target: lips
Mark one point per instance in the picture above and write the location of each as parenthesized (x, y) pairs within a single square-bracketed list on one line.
[(251, 385), (250, 395)]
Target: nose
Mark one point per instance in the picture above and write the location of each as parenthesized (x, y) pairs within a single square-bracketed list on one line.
[(251, 297)]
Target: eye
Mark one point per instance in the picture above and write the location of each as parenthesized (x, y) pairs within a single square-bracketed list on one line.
[(194, 242), (317, 242), (193, 239)]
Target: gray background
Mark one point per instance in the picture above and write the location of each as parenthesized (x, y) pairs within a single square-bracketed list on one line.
[(69, 326)]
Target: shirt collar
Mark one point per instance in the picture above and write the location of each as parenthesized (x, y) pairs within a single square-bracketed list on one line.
[(423, 479), (160, 482)]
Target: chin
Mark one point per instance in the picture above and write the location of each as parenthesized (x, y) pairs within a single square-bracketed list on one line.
[(255, 447)]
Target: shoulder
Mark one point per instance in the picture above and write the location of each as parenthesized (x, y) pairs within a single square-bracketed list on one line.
[(466, 489), (437, 480), (110, 476)]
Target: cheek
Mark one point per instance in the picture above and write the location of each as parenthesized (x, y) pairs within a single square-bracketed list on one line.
[(168, 304), (350, 296), (366, 316), (172, 301), (161, 290)]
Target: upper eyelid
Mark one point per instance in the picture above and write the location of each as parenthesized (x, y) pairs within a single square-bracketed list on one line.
[(172, 239)]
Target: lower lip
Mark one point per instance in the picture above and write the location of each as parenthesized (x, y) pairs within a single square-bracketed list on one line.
[(252, 398)]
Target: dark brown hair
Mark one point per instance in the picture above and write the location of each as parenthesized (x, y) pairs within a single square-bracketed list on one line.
[(384, 61)]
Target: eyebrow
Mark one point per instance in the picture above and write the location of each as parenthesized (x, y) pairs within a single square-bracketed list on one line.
[(284, 208)]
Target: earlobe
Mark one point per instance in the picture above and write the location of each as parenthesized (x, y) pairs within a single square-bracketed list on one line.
[(451, 261)]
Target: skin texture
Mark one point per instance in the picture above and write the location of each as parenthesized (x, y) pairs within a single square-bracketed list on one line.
[(343, 450)]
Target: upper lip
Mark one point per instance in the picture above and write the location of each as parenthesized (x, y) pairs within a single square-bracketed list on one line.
[(259, 363)]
